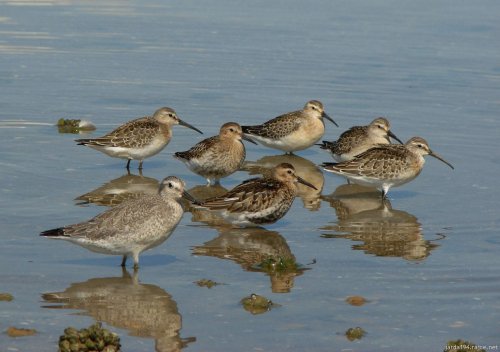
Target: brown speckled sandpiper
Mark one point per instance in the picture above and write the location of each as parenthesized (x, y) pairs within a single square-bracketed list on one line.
[(218, 156), (386, 166), (260, 200), (140, 138), (293, 131), (358, 139)]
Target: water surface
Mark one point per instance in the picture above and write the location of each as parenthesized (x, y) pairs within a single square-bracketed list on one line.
[(426, 261)]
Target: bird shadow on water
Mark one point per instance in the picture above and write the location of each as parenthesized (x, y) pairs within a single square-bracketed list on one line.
[(144, 310), (364, 217)]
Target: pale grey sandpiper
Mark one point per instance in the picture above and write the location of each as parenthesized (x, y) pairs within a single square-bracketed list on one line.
[(358, 139), (140, 138), (132, 226), (292, 131), (260, 200), (218, 156), (386, 166)]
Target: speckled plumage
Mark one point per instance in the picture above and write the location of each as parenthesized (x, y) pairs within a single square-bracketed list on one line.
[(259, 200), (358, 139), (132, 226), (218, 156), (303, 168), (386, 166), (292, 131), (140, 138)]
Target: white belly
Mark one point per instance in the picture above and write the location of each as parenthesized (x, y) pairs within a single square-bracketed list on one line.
[(142, 153)]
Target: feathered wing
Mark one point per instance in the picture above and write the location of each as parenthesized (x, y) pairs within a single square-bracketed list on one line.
[(276, 128), (377, 162), (352, 136), (346, 140), (198, 149), (135, 133), (251, 196)]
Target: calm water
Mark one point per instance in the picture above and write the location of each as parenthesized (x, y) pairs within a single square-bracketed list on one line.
[(428, 263)]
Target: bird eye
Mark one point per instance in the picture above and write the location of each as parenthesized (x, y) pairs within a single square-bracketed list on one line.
[(289, 172), (231, 129), (170, 185)]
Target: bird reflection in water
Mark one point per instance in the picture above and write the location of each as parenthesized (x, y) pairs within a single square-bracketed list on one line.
[(200, 193), (120, 189), (258, 250), (364, 217), (144, 310), (303, 168)]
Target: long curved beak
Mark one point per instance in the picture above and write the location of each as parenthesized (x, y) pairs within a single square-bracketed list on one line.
[(437, 156), (190, 198), (393, 136), (325, 115), (248, 139), (304, 182), (185, 124)]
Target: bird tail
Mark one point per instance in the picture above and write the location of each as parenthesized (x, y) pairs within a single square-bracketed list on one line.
[(330, 166), (59, 232), (180, 155), (248, 129), (218, 203), (92, 141), (325, 145), (83, 141)]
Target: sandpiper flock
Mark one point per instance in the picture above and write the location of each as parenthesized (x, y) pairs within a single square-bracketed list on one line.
[(364, 155)]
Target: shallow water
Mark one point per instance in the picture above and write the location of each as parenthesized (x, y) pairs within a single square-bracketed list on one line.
[(427, 262)]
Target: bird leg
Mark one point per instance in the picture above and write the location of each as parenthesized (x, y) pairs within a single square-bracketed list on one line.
[(128, 165), (124, 260), (136, 260)]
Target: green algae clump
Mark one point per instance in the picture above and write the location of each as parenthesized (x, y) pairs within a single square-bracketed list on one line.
[(92, 339), (74, 126), (256, 304), (279, 264), (354, 333)]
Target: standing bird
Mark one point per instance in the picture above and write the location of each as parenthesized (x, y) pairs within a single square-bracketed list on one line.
[(386, 166), (293, 131), (132, 226), (218, 156), (358, 139), (140, 138), (259, 200)]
